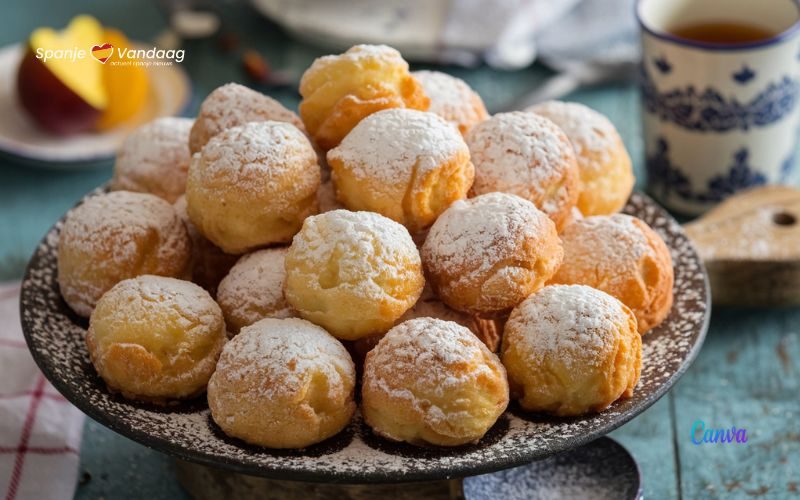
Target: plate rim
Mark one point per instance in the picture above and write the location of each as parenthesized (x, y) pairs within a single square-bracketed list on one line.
[(366, 476)]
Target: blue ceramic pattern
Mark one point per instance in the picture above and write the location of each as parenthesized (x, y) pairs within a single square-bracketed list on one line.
[(663, 65), (786, 167), (709, 110), (744, 75), (668, 178)]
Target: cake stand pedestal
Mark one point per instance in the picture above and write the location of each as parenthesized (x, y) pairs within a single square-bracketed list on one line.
[(209, 483), (601, 469)]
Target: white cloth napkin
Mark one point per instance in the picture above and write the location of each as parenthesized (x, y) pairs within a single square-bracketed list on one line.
[(503, 33), (40, 432)]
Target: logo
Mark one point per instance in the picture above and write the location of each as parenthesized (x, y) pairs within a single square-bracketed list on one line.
[(102, 52), (702, 435), (120, 56)]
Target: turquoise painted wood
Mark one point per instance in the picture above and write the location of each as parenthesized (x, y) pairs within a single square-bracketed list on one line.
[(747, 375)]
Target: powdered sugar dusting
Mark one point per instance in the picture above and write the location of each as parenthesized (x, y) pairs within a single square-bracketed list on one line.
[(386, 244), (612, 245), (122, 216), (141, 295), (233, 105), (576, 324), (428, 356), (593, 135), (600, 470), (283, 354), (254, 286), (56, 340), (524, 154), (155, 158), (452, 99), (357, 54), (106, 233), (748, 236), (176, 301), (394, 145), (477, 233), (260, 156)]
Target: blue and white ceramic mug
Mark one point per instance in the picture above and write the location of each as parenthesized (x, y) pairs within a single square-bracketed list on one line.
[(718, 118)]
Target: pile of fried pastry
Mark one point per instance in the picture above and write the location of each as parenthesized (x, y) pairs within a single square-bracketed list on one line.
[(392, 237)]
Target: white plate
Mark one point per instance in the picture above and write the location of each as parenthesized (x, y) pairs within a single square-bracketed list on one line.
[(170, 90)]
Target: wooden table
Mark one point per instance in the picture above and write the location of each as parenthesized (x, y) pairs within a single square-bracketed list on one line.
[(747, 375)]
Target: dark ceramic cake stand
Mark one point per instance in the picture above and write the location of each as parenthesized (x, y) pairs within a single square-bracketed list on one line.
[(55, 337), (600, 470)]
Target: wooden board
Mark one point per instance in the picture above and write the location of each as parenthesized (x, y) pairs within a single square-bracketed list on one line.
[(751, 247)]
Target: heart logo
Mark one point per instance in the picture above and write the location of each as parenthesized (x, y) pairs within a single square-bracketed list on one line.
[(102, 52)]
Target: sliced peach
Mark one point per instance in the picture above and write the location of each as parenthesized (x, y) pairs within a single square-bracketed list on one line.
[(64, 94), (125, 82)]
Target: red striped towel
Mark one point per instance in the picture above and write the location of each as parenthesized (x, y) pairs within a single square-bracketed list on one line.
[(40, 432)]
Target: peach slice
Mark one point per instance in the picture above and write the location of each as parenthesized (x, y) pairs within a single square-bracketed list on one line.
[(127, 85), (64, 93)]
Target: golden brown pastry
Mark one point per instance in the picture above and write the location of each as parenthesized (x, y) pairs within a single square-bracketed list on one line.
[(571, 350), (485, 255), (605, 167), (253, 185), (283, 383), (233, 105), (488, 331), (405, 164), (527, 155), (156, 339), (452, 99), (353, 273), (574, 215), (209, 264), (430, 306), (154, 159), (622, 256), (340, 90), (253, 289), (430, 381), (115, 236), (326, 197)]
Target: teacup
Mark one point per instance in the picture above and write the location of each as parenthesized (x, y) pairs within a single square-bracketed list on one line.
[(719, 117)]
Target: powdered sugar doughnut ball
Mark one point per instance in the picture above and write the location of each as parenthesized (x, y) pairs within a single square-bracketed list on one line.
[(155, 159), (571, 350), (452, 99), (485, 255), (605, 167), (405, 164), (253, 289), (253, 185), (353, 273), (624, 257), (340, 90), (430, 381), (209, 263), (527, 155), (430, 306), (115, 236), (283, 383), (233, 105), (156, 339)]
